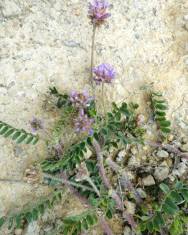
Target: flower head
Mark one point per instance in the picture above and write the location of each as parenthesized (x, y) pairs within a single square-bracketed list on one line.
[(83, 123), (36, 124), (80, 100), (104, 73), (98, 11)]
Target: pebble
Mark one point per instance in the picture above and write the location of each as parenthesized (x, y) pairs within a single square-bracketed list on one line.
[(134, 161), (161, 172), (134, 150), (18, 231), (122, 153), (88, 154), (142, 193), (170, 138), (184, 147), (130, 207), (162, 154), (181, 169), (128, 231), (185, 17), (148, 180)]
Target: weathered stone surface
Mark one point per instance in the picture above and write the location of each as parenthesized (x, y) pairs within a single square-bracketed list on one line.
[(46, 43), (161, 172), (148, 180)]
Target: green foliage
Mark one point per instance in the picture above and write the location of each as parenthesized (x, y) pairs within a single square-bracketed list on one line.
[(31, 213), (18, 135), (159, 107), (62, 100), (74, 225), (72, 157), (105, 203), (121, 126), (169, 211)]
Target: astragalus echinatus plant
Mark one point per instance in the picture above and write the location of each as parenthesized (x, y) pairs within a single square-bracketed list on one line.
[(68, 169)]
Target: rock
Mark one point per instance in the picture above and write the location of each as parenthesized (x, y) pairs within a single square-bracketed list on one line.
[(181, 169), (32, 229), (130, 207), (134, 150), (134, 161), (162, 154), (148, 180), (140, 119), (185, 17), (18, 231), (11, 9), (128, 231), (170, 138), (161, 172), (184, 147), (88, 154), (122, 153), (141, 193)]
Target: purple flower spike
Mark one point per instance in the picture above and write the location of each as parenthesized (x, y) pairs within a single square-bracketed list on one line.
[(80, 100), (83, 124), (36, 124), (98, 11), (104, 73)]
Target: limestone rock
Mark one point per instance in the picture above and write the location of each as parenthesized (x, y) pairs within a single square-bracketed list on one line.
[(184, 147), (161, 172), (32, 229), (162, 154), (148, 180)]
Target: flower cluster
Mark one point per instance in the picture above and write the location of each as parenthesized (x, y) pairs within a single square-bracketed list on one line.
[(36, 124), (104, 73), (80, 100), (83, 123), (98, 11)]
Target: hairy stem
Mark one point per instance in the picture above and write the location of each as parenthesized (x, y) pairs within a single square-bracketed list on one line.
[(169, 148), (125, 181), (92, 56), (100, 164), (107, 184), (104, 225)]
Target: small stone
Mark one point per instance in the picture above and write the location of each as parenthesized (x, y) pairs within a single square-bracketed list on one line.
[(141, 192), (148, 180), (134, 161), (185, 17), (88, 154), (18, 231), (128, 231), (32, 229), (122, 153), (170, 138), (184, 147), (134, 150), (131, 207), (181, 170), (162, 154), (161, 172)]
